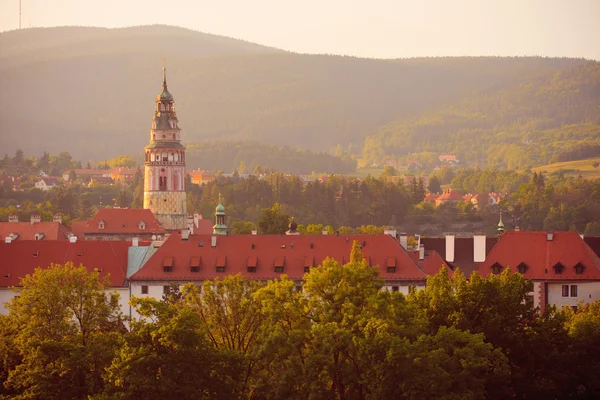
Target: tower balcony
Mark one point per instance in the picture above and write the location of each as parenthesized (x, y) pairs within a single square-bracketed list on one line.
[(165, 163)]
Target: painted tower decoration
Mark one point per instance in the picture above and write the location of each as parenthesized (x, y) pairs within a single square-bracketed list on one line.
[(164, 166)]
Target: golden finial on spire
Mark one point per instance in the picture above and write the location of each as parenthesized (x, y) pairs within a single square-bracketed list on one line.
[(164, 71)]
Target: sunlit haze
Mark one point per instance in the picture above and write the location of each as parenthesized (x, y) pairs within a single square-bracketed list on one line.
[(376, 28)]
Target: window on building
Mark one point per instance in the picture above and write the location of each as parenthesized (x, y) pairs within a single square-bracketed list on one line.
[(306, 270), (573, 290), (279, 262), (391, 265), (251, 269), (522, 268), (391, 270), (221, 263), (529, 299), (144, 289), (251, 265), (579, 268), (395, 288), (558, 268), (168, 264), (565, 290), (101, 225), (220, 269), (195, 264)]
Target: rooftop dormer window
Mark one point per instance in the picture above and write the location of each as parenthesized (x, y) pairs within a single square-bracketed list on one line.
[(496, 268), (142, 225), (579, 268), (522, 268), (558, 268), (101, 224)]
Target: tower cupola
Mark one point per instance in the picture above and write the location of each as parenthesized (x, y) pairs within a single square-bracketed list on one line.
[(220, 227)]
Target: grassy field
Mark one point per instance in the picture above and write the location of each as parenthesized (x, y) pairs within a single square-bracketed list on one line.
[(584, 168)]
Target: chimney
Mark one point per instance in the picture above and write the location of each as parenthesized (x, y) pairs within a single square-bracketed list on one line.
[(13, 218), (189, 222), (213, 241), (35, 217), (421, 252), (8, 239), (254, 231), (479, 245), (73, 239), (390, 230), (404, 240), (135, 241), (185, 234), (57, 218), (325, 232), (450, 248), (197, 217)]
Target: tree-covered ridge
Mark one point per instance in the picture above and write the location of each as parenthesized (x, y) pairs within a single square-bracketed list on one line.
[(341, 337), (245, 156), (548, 118), (99, 100)]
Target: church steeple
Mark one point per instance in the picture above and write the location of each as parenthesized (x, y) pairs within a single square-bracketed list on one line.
[(164, 183), (500, 226)]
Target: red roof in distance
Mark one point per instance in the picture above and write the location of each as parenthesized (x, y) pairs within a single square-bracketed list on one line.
[(120, 220), (21, 257), (27, 230), (234, 252)]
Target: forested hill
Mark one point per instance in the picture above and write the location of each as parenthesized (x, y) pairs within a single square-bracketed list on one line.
[(91, 90), (549, 118)]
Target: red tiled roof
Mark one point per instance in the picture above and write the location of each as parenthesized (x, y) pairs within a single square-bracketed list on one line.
[(299, 251), (431, 263), (27, 230), (463, 251), (541, 255), (450, 195), (205, 227), (20, 258), (120, 220)]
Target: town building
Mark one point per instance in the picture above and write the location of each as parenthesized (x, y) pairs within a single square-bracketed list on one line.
[(119, 224), (46, 183), (35, 229), (21, 257), (164, 165), (563, 268)]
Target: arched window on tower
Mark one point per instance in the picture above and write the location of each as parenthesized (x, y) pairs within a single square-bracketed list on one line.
[(162, 183)]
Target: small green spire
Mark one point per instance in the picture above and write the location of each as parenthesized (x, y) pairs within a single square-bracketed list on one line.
[(501, 226)]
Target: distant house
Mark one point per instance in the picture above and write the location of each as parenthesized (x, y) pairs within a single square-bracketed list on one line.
[(448, 158), (47, 183), (201, 177), (123, 174), (448, 197)]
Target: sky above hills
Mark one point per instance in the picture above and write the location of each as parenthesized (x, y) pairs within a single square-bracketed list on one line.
[(374, 28)]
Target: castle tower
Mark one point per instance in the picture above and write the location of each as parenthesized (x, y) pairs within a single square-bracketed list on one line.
[(164, 166)]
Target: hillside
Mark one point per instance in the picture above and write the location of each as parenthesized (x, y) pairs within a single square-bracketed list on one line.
[(549, 118), (91, 90), (588, 168)]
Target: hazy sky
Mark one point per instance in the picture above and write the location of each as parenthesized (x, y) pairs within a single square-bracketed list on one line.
[(370, 28)]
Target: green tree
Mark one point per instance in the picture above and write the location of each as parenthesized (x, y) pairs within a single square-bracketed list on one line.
[(167, 355), (434, 185), (273, 221), (68, 326)]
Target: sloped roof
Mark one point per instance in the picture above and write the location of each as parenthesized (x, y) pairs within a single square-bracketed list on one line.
[(27, 230), (541, 255), (120, 220), (50, 180), (21, 257), (450, 195), (431, 263), (463, 251), (270, 250)]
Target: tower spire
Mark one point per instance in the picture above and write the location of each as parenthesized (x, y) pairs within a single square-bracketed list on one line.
[(164, 77)]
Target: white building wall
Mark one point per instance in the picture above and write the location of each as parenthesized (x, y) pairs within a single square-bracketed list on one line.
[(587, 292), (6, 295)]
